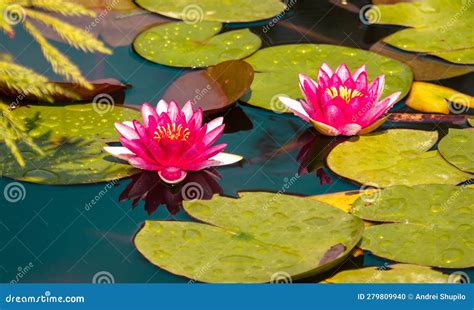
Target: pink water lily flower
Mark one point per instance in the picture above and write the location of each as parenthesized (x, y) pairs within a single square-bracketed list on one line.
[(341, 103), (172, 141)]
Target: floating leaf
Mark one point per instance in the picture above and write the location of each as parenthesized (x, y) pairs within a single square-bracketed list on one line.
[(424, 68), (441, 28), (458, 148), (394, 157), (213, 89), (182, 44), (72, 137), (344, 200), (251, 239), (277, 70), (471, 122), (427, 225), (398, 273), (193, 11), (432, 98)]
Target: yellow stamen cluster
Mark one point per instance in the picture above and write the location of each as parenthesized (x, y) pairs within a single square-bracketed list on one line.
[(345, 93), (172, 132)]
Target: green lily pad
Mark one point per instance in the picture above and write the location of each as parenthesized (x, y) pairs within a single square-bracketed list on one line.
[(398, 273), (441, 28), (394, 157), (458, 148), (193, 11), (427, 225), (180, 44), (277, 70), (257, 238), (72, 137)]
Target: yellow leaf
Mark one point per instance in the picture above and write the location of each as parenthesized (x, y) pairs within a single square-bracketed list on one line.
[(344, 200), (432, 98)]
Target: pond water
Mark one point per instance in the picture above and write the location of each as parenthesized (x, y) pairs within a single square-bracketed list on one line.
[(56, 235)]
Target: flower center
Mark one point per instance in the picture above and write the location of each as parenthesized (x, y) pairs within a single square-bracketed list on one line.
[(345, 93), (172, 132)]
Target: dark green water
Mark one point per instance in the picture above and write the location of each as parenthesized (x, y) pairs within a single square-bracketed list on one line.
[(54, 236)]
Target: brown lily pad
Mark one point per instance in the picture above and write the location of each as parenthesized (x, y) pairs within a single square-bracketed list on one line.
[(214, 89)]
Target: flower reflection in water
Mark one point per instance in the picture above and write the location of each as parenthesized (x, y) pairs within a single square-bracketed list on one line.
[(149, 187)]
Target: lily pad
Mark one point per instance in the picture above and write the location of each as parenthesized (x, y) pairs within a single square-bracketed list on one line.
[(193, 11), (72, 137), (398, 273), (180, 44), (432, 98), (215, 89), (458, 148), (252, 239), (441, 28), (344, 200), (394, 157), (424, 68), (277, 70), (427, 225)]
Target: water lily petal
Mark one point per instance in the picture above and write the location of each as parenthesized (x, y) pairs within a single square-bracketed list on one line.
[(214, 124), (376, 87), (173, 111), (343, 72), (295, 107), (119, 152), (379, 109), (162, 107), (326, 69), (224, 159), (358, 71), (325, 129), (172, 175), (126, 131), (147, 112), (350, 129), (188, 110), (140, 163)]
